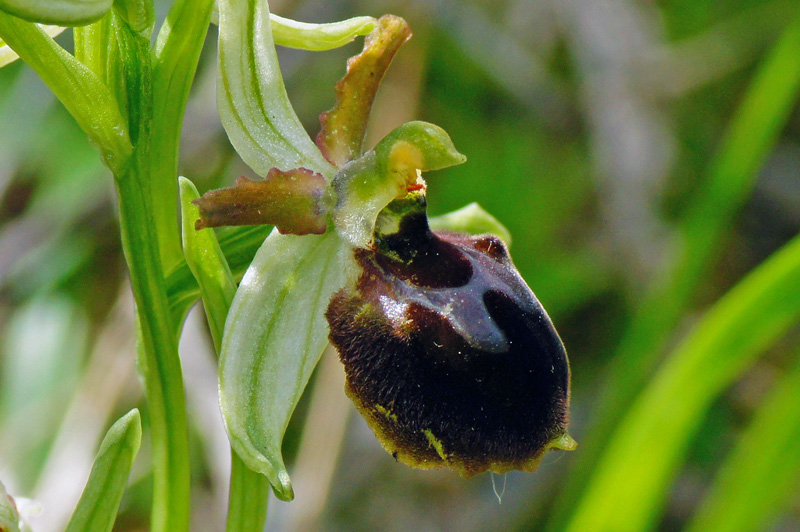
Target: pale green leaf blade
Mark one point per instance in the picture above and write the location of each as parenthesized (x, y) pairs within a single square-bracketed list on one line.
[(319, 37), (98, 505), (761, 474), (251, 97), (654, 435), (472, 219), (61, 12), (274, 336)]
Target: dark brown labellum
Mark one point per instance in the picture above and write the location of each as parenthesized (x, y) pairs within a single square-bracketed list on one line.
[(449, 355)]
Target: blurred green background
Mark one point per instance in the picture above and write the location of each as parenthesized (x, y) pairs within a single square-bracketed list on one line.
[(645, 157)]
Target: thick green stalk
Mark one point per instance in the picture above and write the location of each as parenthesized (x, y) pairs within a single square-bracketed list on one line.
[(158, 349), (247, 500), (175, 57), (752, 133), (159, 363)]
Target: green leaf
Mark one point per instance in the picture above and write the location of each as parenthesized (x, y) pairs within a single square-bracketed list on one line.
[(647, 449), (751, 135), (341, 138), (367, 185), (97, 507), (7, 55), (760, 475), (274, 336), (472, 219), (251, 97), (60, 12), (208, 264), (319, 37), (84, 95)]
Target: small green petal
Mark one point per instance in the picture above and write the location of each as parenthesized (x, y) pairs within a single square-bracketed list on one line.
[(472, 219)]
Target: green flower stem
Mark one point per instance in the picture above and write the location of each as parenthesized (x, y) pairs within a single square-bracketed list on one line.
[(158, 349), (84, 95), (159, 363), (177, 52), (98, 506), (248, 497), (249, 491), (60, 12)]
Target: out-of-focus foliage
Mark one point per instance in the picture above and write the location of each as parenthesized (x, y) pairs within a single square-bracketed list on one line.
[(608, 137)]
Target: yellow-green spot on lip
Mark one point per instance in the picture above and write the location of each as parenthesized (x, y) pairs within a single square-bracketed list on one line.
[(436, 443)]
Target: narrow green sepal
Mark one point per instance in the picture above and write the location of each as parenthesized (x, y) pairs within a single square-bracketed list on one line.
[(472, 219), (97, 507)]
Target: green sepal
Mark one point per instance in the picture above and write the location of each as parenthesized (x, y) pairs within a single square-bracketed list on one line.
[(60, 12), (472, 219), (252, 101), (98, 505), (275, 333), (367, 185)]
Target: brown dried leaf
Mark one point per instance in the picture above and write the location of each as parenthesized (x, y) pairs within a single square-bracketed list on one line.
[(295, 202), (343, 127)]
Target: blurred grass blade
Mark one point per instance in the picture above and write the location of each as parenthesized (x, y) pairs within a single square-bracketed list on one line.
[(341, 138), (752, 133), (97, 508), (7, 55), (762, 473), (249, 491), (319, 37), (207, 263), (274, 336), (252, 100), (472, 219), (60, 12), (84, 95), (646, 451)]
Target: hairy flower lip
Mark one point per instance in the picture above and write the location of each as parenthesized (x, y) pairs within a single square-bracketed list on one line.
[(469, 374)]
